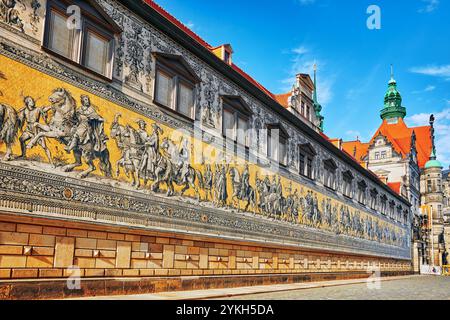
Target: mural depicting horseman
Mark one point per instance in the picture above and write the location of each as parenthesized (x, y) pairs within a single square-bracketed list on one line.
[(81, 131), (131, 145), (30, 116), (291, 204), (173, 167), (242, 191)]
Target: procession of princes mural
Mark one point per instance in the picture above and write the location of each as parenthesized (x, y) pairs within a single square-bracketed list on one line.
[(152, 162)]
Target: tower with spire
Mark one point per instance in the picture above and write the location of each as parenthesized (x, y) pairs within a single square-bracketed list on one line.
[(317, 105), (393, 108)]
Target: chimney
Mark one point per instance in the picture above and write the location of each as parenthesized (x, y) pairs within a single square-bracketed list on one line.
[(225, 53)]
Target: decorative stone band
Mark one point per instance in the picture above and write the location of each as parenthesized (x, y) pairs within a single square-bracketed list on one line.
[(31, 192)]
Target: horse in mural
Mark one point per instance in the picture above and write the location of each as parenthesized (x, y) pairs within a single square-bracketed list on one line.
[(64, 126), (241, 190), (173, 168), (271, 200), (131, 146)]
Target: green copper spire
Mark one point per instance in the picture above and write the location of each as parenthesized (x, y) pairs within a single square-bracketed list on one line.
[(433, 162), (393, 101), (317, 106)]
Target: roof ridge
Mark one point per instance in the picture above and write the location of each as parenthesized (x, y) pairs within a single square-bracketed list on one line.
[(178, 23)]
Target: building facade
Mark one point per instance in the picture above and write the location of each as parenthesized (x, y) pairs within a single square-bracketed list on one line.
[(405, 159), (133, 148)]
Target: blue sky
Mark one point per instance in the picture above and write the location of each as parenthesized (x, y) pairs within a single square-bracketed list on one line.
[(274, 40)]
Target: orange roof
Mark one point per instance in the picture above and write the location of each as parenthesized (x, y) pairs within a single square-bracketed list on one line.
[(283, 99), (400, 136), (360, 148), (395, 186)]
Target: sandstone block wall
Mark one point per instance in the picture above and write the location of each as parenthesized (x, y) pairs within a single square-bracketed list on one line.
[(33, 248)]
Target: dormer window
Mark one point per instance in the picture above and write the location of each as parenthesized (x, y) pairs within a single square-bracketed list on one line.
[(225, 53), (88, 43), (227, 57)]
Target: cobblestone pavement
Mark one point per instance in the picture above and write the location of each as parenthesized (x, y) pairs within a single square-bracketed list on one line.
[(416, 288)]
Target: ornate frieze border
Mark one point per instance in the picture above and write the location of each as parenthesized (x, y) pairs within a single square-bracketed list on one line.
[(44, 194), (45, 64)]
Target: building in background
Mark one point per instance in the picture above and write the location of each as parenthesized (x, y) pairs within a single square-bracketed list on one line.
[(405, 159), (302, 101)]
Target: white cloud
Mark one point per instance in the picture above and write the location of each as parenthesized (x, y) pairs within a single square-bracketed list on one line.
[(303, 60), (300, 50), (442, 131), (430, 6), (433, 70)]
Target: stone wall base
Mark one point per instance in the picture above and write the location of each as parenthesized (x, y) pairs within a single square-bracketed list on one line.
[(58, 289), (38, 254)]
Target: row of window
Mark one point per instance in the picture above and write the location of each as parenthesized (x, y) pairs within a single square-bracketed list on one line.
[(87, 39), (380, 155)]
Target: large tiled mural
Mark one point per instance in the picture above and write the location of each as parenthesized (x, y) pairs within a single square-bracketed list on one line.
[(84, 142), (49, 125)]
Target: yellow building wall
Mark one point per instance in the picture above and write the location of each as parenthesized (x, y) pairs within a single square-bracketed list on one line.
[(22, 80)]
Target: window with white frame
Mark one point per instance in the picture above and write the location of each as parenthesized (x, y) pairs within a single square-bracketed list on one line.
[(373, 198), (236, 120), (88, 43), (277, 140), (347, 188), (330, 168), (362, 191), (175, 85), (306, 159)]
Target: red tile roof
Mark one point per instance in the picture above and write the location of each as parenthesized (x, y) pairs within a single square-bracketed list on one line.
[(395, 186), (360, 147), (283, 99), (178, 23), (399, 135)]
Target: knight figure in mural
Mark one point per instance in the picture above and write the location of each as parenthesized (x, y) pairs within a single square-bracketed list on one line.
[(242, 191), (80, 130), (29, 117), (132, 148), (208, 182), (151, 153), (220, 184), (9, 126)]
